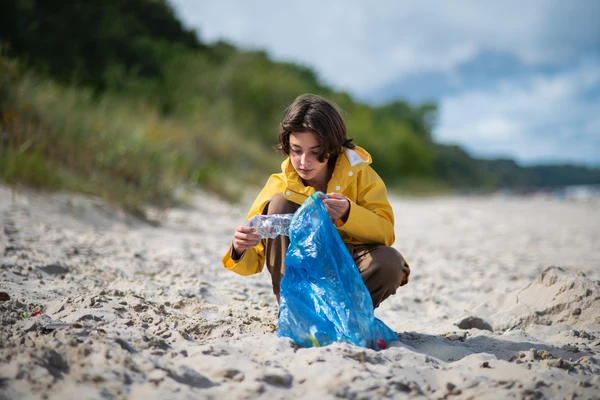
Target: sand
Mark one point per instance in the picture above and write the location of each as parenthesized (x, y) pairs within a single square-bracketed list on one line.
[(503, 302)]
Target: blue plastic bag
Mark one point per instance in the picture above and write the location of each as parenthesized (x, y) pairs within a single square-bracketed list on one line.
[(323, 297)]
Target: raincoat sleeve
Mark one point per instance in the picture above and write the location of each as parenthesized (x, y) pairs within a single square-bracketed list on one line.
[(371, 218), (253, 260)]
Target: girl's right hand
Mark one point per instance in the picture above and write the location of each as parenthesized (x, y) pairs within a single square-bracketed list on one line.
[(244, 238)]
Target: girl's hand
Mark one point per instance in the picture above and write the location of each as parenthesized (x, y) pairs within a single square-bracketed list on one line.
[(337, 205), (244, 238)]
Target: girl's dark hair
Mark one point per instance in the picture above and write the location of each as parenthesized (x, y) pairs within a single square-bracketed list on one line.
[(312, 113)]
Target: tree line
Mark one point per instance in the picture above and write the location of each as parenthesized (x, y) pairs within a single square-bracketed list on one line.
[(120, 99)]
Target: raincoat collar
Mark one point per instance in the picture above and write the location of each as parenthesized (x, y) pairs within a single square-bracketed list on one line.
[(348, 163)]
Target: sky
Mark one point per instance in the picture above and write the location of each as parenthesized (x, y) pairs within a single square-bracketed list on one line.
[(513, 79)]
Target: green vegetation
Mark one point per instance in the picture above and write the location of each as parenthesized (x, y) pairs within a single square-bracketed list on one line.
[(118, 99), (119, 147)]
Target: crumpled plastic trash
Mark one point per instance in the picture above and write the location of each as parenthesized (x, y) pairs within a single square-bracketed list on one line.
[(271, 226), (323, 297)]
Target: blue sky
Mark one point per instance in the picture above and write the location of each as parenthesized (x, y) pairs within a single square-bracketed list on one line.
[(513, 79)]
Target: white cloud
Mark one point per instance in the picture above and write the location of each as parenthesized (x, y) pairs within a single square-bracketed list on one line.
[(544, 118), (357, 45), (362, 47)]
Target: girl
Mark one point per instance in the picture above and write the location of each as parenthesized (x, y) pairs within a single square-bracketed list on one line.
[(321, 158)]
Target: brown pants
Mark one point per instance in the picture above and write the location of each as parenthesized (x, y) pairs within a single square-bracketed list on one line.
[(382, 268)]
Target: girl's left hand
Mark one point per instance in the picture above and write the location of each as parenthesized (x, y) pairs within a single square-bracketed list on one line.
[(337, 205)]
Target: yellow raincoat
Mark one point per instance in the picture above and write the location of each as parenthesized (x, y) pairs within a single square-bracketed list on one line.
[(370, 221)]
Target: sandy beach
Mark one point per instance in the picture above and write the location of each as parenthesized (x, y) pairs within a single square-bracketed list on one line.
[(503, 302)]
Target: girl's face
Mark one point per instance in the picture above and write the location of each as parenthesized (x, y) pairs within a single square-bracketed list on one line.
[(304, 153)]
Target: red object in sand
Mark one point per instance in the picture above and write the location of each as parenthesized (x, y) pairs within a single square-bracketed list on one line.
[(381, 343)]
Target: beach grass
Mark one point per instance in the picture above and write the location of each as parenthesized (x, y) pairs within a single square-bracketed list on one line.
[(121, 148)]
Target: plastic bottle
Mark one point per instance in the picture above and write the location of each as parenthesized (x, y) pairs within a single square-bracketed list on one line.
[(271, 226)]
